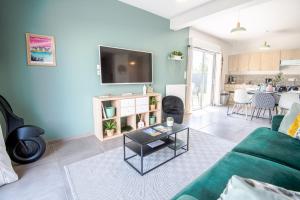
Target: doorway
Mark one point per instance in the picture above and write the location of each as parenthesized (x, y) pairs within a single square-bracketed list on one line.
[(203, 68)]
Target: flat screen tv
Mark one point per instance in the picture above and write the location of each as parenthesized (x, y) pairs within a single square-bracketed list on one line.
[(123, 66)]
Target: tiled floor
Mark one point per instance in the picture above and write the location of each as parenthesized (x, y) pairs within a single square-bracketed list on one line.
[(45, 179)]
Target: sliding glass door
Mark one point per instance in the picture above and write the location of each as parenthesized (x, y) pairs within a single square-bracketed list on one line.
[(203, 67)]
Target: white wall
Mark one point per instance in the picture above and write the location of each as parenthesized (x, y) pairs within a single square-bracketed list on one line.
[(203, 40)]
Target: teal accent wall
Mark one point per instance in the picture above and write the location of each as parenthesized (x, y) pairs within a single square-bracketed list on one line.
[(59, 99)]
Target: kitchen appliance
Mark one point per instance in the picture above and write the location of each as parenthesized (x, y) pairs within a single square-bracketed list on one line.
[(231, 79), (290, 62)]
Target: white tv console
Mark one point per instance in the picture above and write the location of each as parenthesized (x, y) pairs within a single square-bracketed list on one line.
[(127, 110)]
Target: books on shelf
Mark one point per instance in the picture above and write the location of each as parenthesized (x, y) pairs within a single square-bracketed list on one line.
[(151, 132), (103, 111), (156, 143)]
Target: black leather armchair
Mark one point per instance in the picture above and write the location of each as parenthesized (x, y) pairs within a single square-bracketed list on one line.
[(24, 143), (172, 106)]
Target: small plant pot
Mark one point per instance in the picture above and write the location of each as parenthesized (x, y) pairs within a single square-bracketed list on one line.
[(152, 107), (175, 57), (152, 120), (110, 112), (110, 133)]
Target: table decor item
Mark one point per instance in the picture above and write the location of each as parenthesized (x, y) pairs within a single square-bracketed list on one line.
[(110, 127), (170, 121)]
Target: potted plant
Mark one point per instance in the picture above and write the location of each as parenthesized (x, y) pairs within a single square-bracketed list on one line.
[(278, 79), (152, 103), (109, 127), (176, 55)]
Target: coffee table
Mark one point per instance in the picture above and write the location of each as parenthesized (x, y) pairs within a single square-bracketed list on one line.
[(138, 142)]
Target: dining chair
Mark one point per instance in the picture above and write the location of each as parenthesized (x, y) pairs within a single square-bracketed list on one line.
[(263, 101), (286, 100), (241, 100)]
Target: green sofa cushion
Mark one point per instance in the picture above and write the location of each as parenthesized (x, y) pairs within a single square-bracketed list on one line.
[(211, 184), (276, 121), (272, 145)]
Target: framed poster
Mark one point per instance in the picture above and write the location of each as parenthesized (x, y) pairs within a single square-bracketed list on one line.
[(40, 50)]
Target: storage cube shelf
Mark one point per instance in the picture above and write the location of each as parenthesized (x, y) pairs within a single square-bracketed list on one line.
[(127, 112)]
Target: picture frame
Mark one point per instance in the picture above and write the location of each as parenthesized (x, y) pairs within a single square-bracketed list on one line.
[(40, 50)]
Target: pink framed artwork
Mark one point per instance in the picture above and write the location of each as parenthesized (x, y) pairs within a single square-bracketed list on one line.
[(40, 50)]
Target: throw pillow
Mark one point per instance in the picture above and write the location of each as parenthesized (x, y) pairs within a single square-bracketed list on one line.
[(7, 173), (289, 118), (294, 130), (241, 188)]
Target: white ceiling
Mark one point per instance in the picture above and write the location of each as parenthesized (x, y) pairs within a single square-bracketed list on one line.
[(277, 17), (166, 8), (263, 19)]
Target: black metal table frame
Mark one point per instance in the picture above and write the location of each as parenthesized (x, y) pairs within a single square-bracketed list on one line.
[(141, 171)]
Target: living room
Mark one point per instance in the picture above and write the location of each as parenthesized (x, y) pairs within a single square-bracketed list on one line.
[(131, 99)]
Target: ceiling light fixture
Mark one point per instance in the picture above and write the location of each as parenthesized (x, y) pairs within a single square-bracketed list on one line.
[(238, 28), (265, 46)]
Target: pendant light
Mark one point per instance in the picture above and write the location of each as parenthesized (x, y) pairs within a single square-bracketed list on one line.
[(265, 46), (238, 28)]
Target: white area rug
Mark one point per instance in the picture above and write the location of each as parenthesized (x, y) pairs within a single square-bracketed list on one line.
[(107, 177)]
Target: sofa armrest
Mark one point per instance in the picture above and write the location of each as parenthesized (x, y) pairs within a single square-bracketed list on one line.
[(276, 121)]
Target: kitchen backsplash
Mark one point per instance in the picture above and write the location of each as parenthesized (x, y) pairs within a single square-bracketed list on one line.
[(257, 79)]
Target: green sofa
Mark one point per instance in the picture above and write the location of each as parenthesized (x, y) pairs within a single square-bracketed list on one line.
[(265, 155)]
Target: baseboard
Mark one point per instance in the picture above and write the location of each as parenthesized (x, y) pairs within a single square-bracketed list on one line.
[(70, 138)]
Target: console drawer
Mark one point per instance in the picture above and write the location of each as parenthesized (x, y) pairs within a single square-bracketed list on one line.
[(127, 103), (142, 101)]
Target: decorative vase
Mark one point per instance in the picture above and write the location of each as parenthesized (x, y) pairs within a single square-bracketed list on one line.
[(152, 120), (110, 112), (109, 133), (141, 124), (152, 107)]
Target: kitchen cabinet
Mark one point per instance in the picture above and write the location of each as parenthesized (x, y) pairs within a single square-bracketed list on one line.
[(254, 61), (270, 61), (233, 62), (290, 54), (243, 62)]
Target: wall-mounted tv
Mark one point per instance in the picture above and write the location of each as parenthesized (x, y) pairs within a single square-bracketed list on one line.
[(123, 66)]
